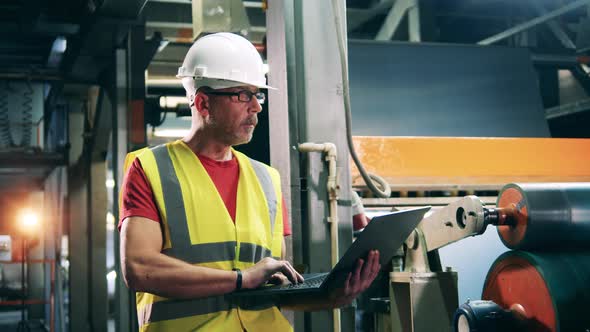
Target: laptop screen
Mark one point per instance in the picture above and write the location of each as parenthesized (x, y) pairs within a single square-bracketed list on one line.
[(385, 233)]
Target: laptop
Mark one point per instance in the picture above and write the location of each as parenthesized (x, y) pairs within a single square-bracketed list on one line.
[(385, 233)]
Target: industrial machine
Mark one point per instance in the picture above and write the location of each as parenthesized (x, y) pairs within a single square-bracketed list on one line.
[(544, 283), (540, 286)]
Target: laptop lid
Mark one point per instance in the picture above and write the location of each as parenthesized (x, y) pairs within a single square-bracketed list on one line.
[(386, 233)]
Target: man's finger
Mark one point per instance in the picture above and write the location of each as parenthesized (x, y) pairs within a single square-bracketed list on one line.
[(285, 268), (377, 265), (356, 278), (290, 272), (347, 284), (372, 262)]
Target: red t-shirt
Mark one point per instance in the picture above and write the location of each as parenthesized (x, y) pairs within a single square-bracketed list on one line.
[(138, 198)]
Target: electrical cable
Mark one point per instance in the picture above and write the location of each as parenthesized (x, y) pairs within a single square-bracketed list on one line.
[(385, 192), (162, 117)]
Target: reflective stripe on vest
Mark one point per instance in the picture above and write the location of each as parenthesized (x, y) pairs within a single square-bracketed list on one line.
[(269, 191), (174, 309), (179, 233)]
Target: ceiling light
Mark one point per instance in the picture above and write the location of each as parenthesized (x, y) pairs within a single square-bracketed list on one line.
[(175, 133)]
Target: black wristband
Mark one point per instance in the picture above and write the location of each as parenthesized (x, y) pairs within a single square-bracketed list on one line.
[(239, 279)]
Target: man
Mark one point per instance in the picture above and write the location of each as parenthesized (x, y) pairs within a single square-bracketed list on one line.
[(200, 220)]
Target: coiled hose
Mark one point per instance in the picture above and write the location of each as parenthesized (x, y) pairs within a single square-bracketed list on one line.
[(4, 121), (27, 116)]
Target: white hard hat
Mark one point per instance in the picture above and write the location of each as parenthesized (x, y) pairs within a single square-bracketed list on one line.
[(223, 60)]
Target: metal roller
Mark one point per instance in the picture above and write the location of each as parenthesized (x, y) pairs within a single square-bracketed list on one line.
[(546, 292), (544, 215)]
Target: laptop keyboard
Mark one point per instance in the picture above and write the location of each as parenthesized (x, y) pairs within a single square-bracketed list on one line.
[(308, 283)]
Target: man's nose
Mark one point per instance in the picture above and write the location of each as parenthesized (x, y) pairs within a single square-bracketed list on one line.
[(254, 105)]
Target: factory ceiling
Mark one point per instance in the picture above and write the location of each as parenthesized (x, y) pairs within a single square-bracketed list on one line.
[(33, 32), (64, 42)]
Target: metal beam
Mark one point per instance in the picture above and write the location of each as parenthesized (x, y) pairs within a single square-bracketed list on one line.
[(137, 58), (88, 284), (97, 269), (534, 22), (18, 159), (357, 17), (130, 9), (101, 131), (278, 120), (314, 78), (561, 61), (554, 26), (567, 109), (393, 19), (79, 282), (150, 48), (45, 27), (124, 306), (414, 33)]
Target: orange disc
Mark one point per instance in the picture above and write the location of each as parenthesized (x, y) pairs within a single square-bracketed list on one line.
[(515, 281), (513, 235)]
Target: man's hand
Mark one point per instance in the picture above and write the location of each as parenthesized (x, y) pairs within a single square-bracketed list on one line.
[(357, 281), (267, 269)]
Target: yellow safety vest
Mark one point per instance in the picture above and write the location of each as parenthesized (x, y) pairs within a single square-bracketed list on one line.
[(199, 230)]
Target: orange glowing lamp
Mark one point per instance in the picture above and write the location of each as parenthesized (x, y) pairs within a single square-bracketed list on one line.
[(28, 222)]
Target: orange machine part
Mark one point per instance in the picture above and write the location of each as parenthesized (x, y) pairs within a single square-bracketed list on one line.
[(471, 161), (516, 281), (513, 235)]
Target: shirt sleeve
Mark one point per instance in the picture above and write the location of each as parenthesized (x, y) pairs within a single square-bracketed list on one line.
[(137, 198), (286, 223)]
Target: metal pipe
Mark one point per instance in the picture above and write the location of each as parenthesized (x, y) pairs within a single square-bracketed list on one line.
[(52, 297), (500, 216), (332, 187), (23, 281), (536, 21)]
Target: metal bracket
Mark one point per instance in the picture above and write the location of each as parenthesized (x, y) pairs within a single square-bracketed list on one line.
[(416, 255), (454, 222)]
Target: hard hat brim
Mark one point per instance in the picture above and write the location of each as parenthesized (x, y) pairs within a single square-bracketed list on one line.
[(219, 83)]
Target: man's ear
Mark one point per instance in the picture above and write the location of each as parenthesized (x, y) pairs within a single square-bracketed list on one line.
[(200, 103)]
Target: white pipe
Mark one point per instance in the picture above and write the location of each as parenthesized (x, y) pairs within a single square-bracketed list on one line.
[(332, 186)]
